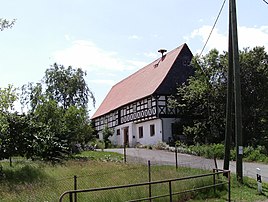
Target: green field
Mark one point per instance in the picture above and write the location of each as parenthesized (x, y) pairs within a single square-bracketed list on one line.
[(38, 181)]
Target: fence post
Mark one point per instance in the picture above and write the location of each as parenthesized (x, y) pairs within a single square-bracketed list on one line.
[(125, 156), (170, 191), (149, 176), (259, 180), (71, 197), (229, 186), (214, 180), (75, 188), (176, 157)]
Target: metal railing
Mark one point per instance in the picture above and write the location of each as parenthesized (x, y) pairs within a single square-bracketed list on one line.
[(216, 182)]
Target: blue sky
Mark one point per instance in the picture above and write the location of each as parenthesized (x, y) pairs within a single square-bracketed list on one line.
[(111, 39)]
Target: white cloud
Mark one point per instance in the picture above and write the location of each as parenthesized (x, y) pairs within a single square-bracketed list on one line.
[(247, 37), (102, 81), (135, 37), (253, 36), (217, 40), (151, 55), (86, 55), (67, 37)]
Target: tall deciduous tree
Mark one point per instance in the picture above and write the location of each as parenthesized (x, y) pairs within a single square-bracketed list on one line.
[(7, 98), (68, 86), (254, 83), (202, 100), (59, 108)]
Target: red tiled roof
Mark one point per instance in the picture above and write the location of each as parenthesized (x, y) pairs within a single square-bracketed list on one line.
[(141, 84)]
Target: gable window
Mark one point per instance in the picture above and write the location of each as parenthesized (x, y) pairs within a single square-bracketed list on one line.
[(140, 132), (118, 132), (152, 130)]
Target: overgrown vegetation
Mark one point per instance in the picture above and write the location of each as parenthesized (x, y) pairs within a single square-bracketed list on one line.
[(39, 181)]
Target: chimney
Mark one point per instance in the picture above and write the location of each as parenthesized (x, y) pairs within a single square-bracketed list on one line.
[(162, 51)]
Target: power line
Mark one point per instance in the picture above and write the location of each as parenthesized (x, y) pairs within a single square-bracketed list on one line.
[(213, 27), (265, 1)]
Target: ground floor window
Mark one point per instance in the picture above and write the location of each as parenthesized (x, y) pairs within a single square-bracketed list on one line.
[(140, 132), (118, 132), (152, 130)]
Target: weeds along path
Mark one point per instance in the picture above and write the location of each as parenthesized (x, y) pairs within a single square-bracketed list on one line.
[(168, 158)]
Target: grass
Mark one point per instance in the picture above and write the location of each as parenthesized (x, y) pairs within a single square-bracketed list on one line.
[(37, 181), (100, 155), (241, 192)]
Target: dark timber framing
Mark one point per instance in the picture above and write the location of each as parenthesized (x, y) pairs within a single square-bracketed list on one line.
[(143, 97)]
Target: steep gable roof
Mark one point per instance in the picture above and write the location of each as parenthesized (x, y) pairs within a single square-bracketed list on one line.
[(141, 84)]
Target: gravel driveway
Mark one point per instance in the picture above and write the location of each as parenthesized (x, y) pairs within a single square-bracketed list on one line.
[(168, 158)]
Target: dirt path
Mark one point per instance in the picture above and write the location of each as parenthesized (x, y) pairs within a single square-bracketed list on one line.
[(168, 158)]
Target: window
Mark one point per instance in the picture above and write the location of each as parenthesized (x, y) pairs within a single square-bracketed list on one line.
[(149, 103), (118, 132), (152, 130), (140, 132), (134, 107)]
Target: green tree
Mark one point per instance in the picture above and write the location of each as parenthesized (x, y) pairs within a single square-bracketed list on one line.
[(67, 86), (79, 130), (59, 108), (7, 98), (106, 133), (254, 85), (32, 95), (202, 99), (17, 139)]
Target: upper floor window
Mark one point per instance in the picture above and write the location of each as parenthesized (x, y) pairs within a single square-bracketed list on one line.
[(149, 103), (134, 107)]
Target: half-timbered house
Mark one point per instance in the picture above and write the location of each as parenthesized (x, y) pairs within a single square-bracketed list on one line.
[(136, 107)]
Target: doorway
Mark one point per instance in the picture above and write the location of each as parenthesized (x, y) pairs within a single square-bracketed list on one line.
[(126, 136)]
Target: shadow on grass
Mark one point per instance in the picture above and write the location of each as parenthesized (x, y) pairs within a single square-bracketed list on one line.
[(24, 174)]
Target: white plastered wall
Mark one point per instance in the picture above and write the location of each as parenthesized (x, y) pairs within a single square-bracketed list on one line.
[(163, 132), (119, 139), (167, 128), (147, 139)]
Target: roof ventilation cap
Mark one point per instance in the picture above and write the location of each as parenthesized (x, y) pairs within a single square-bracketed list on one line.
[(162, 51)]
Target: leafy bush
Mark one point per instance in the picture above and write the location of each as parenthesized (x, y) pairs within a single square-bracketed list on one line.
[(99, 144), (107, 132), (208, 151)]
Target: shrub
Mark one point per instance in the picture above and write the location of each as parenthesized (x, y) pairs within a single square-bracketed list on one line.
[(218, 151), (208, 151), (99, 144)]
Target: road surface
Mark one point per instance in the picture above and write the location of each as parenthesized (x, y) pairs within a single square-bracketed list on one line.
[(168, 158)]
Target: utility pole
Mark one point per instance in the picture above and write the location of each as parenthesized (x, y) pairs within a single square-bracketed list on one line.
[(237, 92), (229, 104)]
